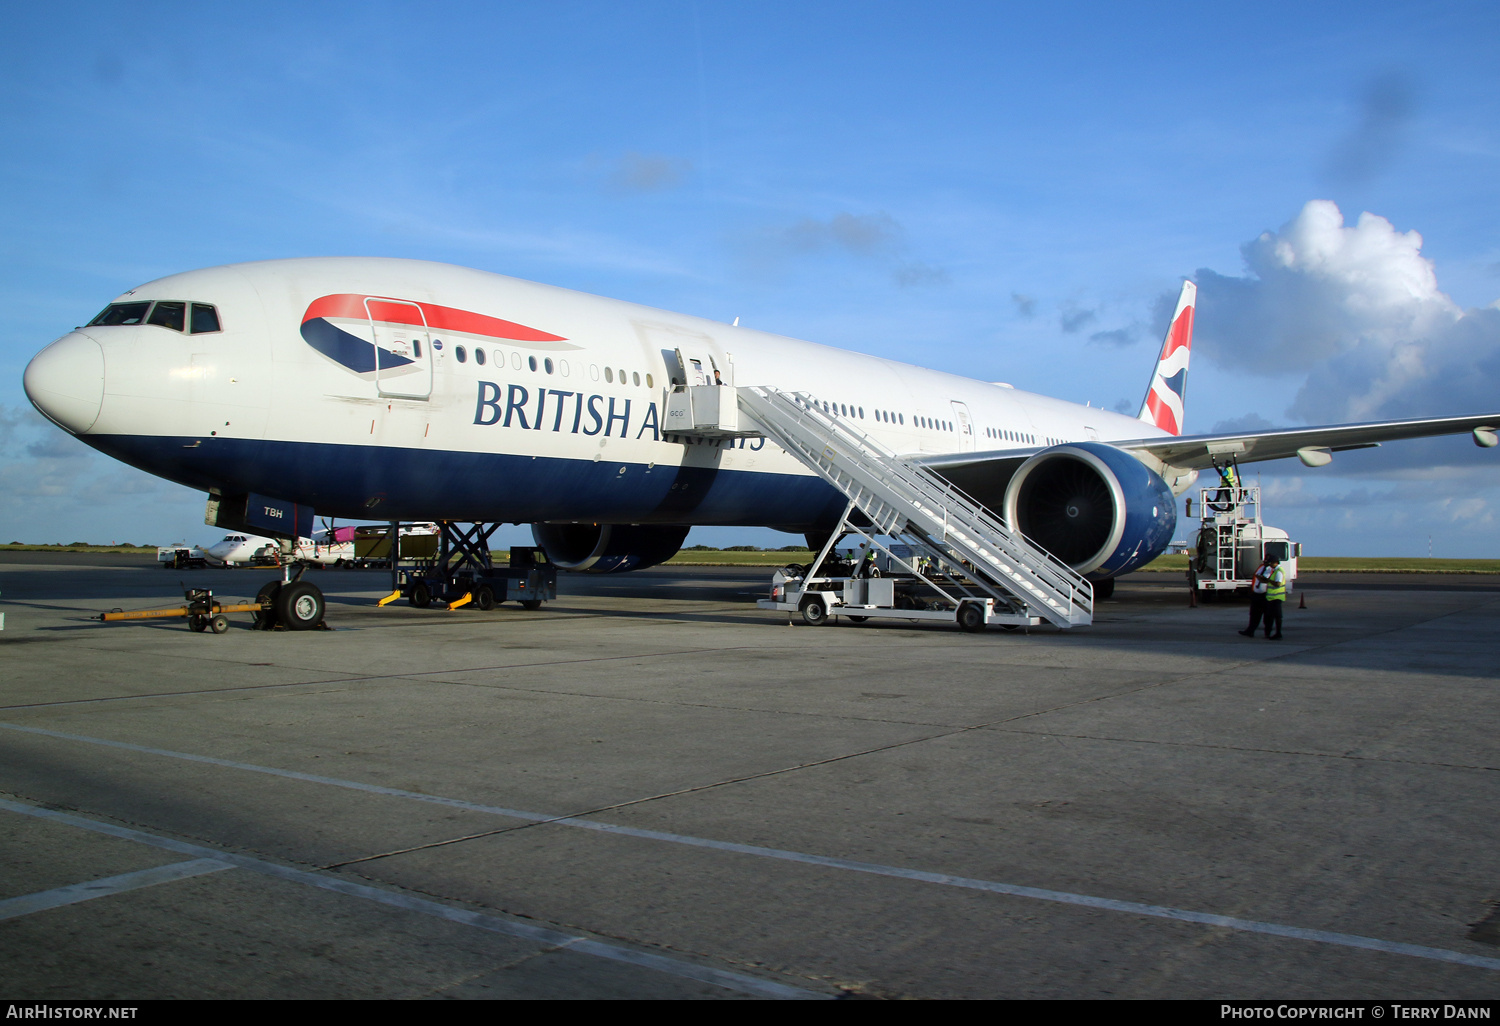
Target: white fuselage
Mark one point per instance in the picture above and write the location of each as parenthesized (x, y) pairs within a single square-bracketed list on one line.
[(563, 419)]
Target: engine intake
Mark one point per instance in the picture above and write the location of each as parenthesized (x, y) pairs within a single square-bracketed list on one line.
[(1095, 507), (608, 548)]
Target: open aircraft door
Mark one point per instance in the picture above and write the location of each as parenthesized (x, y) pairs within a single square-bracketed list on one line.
[(701, 367), (403, 349), (702, 400)]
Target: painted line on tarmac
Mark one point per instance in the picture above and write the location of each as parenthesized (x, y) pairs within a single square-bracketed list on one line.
[(72, 894), (1347, 940), (741, 982)]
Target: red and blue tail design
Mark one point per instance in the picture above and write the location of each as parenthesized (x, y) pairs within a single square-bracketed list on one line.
[(1168, 392)]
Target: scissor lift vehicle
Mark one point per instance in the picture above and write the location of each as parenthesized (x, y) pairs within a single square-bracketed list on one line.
[(461, 572)]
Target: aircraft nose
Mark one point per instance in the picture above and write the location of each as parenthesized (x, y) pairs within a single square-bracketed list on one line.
[(66, 382)]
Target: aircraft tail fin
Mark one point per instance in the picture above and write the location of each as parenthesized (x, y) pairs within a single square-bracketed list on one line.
[(1167, 394)]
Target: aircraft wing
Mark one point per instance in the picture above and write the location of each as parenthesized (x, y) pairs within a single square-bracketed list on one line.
[(1199, 452)]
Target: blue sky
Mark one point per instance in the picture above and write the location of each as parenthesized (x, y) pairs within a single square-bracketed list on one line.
[(1003, 192)]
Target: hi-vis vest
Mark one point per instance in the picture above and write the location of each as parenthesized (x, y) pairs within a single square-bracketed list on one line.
[(1272, 581)]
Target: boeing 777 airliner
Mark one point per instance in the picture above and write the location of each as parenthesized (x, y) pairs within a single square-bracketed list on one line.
[(385, 389)]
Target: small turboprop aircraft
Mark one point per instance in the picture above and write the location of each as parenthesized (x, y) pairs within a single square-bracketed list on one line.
[(397, 390), (323, 548)]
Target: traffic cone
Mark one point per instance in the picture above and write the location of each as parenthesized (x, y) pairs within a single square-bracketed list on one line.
[(1301, 600)]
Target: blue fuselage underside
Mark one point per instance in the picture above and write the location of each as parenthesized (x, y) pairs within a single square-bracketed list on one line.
[(384, 483)]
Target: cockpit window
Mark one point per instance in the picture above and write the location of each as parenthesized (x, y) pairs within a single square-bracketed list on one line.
[(121, 313), (205, 318), (169, 315)]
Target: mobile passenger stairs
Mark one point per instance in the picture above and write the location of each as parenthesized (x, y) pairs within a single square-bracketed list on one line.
[(952, 560)]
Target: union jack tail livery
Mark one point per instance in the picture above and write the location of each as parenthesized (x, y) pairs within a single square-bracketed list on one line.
[(1164, 399)]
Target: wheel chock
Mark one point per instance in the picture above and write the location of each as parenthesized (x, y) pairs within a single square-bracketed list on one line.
[(393, 596), (468, 597)]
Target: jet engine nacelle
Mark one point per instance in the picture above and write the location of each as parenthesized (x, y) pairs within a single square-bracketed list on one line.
[(608, 548), (1095, 507)]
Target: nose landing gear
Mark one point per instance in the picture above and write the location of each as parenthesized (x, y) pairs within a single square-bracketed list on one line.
[(291, 604)]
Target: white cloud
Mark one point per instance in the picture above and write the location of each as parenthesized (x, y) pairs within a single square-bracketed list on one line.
[(1357, 310)]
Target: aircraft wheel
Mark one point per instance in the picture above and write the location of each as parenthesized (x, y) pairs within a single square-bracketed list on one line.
[(971, 617), (532, 604), (299, 606), (420, 595), (484, 597), (1104, 589), (219, 623), (814, 612), (265, 618)]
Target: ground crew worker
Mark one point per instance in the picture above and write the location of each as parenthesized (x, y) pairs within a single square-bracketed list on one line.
[(1228, 494), (1275, 598), (1267, 595), (1259, 585)]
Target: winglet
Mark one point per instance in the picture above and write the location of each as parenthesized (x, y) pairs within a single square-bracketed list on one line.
[(1163, 406)]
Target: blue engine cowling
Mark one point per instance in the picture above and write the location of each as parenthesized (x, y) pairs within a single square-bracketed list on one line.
[(608, 548), (1095, 507)]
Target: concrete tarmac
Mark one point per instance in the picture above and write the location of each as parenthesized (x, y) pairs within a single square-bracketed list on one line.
[(651, 789)]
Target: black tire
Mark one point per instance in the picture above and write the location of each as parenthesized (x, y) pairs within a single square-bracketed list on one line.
[(858, 619), (814, 612), (265, 618), (1104, 589), (218, 623), (532, 604), (484, 598), (198, 623), (971, 617), (299, 606), (420, 595)]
